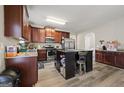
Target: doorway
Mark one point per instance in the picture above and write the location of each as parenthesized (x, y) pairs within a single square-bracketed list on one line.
[(90, 43)]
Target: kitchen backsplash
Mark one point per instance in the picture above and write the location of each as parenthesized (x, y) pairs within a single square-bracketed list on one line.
[(42, 45)]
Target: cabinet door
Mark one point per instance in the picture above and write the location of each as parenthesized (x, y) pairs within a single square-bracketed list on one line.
[(26, 33), (65, 34), (41, 35), (119, 60), (13, 20), (42, 55), (58, 37), (98, 57), (35, 35), (38, 35), (50, 33), (109, 58)]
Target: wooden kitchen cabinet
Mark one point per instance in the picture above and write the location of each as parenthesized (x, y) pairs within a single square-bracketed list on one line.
[(27, 66), (38, 35), (42, 54), (13, 20), (26, 32), (99, 56), (35, 35), (41, 32), (16, 21), (65, 34), (111, 58), (58, 37), (119, 60), (50, 33)]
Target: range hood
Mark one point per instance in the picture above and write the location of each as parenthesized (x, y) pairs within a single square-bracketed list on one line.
[(48, 37), (50, 40)]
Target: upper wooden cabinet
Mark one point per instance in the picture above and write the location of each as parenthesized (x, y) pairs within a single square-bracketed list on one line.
[(13, 20), (34, 32), (16, 22), (50, 33), (58, 37), (41, 32), (66, 34), (38, 35), (26, 32)]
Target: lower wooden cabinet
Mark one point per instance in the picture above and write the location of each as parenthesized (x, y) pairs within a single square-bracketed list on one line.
[(110, 58), (42, 54), (119, 60), (28, 68)]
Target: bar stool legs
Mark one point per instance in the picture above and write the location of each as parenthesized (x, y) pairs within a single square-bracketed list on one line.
[(81, 65)]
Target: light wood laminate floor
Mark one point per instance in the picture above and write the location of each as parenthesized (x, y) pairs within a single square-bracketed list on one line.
[(101, 76)]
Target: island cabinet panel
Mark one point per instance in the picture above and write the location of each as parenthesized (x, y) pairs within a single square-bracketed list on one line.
[(111, 58), (119, 60), (27, 66)]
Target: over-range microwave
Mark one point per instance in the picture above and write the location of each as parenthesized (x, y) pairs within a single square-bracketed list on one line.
[(50, 40)]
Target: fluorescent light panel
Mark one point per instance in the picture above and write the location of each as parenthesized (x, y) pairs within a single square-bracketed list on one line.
[(56, 20)]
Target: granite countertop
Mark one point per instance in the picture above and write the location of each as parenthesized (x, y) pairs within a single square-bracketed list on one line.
[(41, 49), (111, 51), (26, 54)]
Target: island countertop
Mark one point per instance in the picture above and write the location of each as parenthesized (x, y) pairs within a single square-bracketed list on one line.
[(74, 50)]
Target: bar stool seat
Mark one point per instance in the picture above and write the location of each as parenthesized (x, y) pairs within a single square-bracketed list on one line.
[(81, 65)]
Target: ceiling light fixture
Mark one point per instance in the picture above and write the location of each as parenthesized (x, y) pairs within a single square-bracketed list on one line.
[(56, 20)]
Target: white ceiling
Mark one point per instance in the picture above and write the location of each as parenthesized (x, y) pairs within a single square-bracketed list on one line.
[(79, 17)]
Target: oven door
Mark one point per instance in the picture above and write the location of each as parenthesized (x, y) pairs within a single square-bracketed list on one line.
[(51, 54)]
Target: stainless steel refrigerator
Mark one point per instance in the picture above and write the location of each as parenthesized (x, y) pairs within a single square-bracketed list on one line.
[(68, 43)]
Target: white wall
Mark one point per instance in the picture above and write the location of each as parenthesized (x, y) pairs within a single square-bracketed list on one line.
[(4, 40), (113, 30)]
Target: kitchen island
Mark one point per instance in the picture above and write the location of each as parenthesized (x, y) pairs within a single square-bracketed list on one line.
[(71, 57), (27, 65)]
